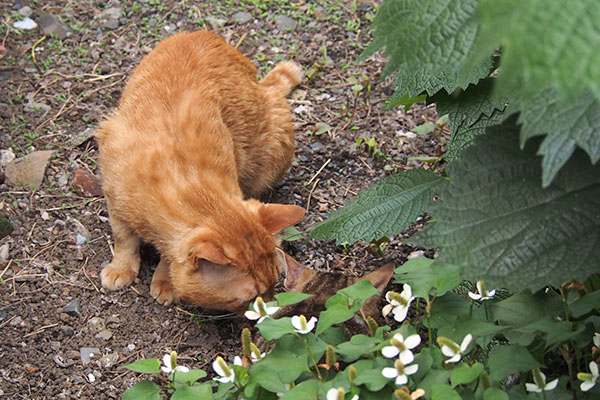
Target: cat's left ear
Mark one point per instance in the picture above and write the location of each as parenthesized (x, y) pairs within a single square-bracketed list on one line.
[(380, 277), (277, 217)]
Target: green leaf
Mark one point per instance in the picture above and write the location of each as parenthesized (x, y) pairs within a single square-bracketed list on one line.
[(272, 329), (433, 378), (423, 129), (337, 312), (424, 275), (470, 112), (406, 101), (523, 308), (385, 208), (306, 390), (291, 234), (144, 390), (587, 303), (465, 374), (193, 392), (436, 37), (147, 366), (444, 392), (359, 292), (372, 378), (322, 128), (505, 360), (567, 61), (284, 364), (566, 126), (189, 377), (493, 393), (358, 346), (287, 298), (511, 232)]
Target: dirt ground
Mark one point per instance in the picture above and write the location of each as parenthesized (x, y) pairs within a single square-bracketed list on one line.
[(53, 92)]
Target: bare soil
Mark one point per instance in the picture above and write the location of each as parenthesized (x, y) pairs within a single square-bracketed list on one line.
[(61, 236)]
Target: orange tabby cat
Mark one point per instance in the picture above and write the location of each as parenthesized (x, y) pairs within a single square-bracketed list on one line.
[(194, 136)]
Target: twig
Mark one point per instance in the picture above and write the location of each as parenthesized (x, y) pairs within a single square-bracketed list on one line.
[(6, 268), (87, 276), (241, 40), (33, 52), (40, 330), (310, 194), (319, 171), (102, 77)]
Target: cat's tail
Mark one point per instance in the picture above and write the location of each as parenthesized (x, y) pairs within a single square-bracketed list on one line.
[(285, 77)]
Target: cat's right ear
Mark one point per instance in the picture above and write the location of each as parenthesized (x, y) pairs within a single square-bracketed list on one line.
[(294, 272)]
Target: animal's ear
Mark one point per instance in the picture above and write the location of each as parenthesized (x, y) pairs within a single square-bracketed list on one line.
[(380, 277), (295, 274), (210, 252), (277, 217)]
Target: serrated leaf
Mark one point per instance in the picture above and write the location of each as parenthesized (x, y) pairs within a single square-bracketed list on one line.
[(147, 366), (144, 390), (504, 360), (567, 60), (567, 126), (496, 221), (436, 37), (387, 207), (406, 101)]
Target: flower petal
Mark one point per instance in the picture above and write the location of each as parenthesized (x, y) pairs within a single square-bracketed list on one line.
[(401, 380), (272, 310), (587, 385), (532, 387), (390, 351), (252, 315), (454, 359), (474, 296), (332, 394), (400, 313), (466, 342), (447, 351), (597, 339), (237, 361), (167, 361), (491, 293), (296, 322), (407, 291), (387, 309), (412, 341), (411, 369), (551, 385), (217, 367), (166, 370), (406, 357), (181, 368), (594, 368), (389, 373)]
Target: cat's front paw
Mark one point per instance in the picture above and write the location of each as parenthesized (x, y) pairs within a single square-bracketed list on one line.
[(114, 276), (162, 291)]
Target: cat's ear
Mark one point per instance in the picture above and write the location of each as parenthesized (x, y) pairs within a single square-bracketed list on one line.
[(277, 217), (380, 277), (199, 244), (210, 252), (295, 274)]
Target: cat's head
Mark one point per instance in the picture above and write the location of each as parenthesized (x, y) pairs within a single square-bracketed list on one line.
[(226, 265)]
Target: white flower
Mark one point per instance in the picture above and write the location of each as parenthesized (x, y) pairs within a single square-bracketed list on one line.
[(170, 364), (597, 340), (482, 293), (338, 394), (399, 303), (452, 349), (589, 380), (400, 372), (540, 384), (237, 360), (402, 347), (260, 311), (301, 325), (226, 373), (256, 355)]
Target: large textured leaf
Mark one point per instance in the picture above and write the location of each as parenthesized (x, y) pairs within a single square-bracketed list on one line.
[(386, 208), (428, 42), (470, 112), (544, 44), (496, 221), (567, 126)]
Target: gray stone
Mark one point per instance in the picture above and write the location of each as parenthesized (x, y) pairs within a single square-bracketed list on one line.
[(26, 11), (104, 335), (241, 17), (87, 353), (80, 232), (111, 24), (51, 25), (37, 107), (25, 23), (285, 23), (4, 250), (109, 360), (80, 138), (16, 321), (215, 23), (28, 170), (111, 13), (72, 308), (6, 156)]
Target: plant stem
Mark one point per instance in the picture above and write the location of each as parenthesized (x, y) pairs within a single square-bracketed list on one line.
[(564, 351), (486, 311), (312, 357)]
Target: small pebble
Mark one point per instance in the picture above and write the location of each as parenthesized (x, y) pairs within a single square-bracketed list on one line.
[(26, 24)]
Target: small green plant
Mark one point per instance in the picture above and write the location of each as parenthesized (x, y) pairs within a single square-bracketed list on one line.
[(371, 146)]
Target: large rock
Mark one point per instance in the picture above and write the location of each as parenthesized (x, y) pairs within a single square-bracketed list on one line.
[(51, 25), (28, 170)]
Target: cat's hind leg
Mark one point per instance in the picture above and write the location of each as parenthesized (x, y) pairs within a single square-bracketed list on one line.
[(124, 268), (161, 287)]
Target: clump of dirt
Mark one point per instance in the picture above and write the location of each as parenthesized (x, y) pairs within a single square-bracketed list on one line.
[(64, 337)]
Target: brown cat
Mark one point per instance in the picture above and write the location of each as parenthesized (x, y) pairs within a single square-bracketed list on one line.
[(323, 285), (194, 136)]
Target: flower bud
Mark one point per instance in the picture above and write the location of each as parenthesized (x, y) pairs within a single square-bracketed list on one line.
[(246, 342), (372, 325), (330, 356), (173, 359), (352, 373)]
